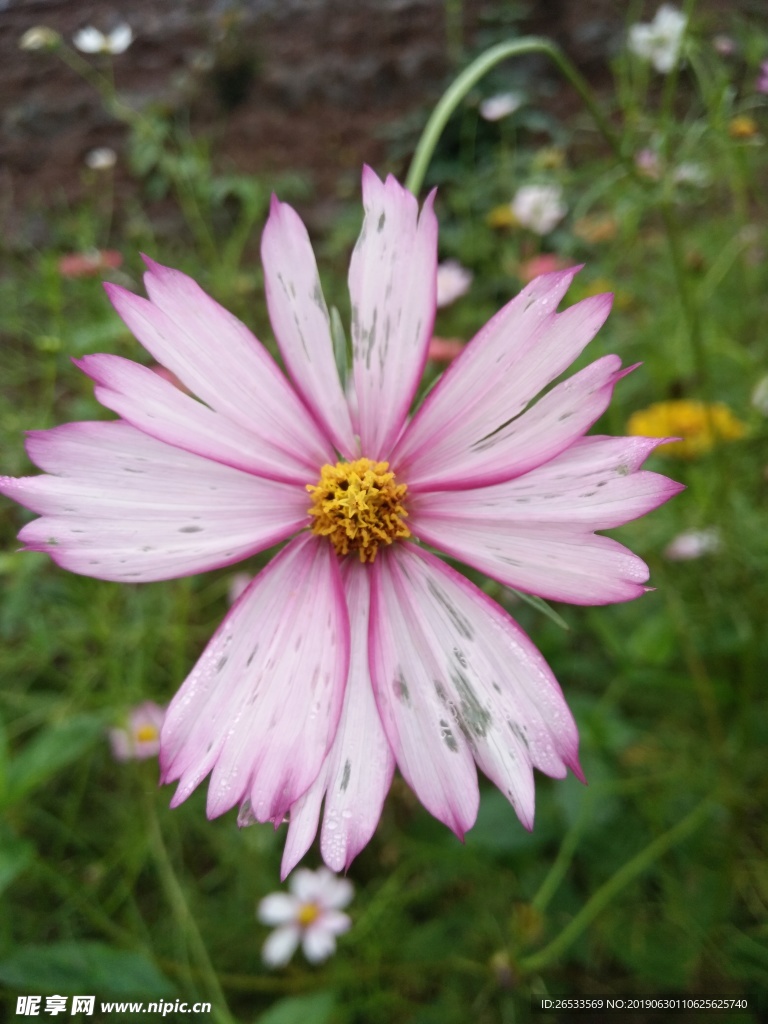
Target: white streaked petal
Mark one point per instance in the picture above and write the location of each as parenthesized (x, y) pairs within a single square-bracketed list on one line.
[(150, 403), (358, 770), (407, 673), (542, 432), (551, 560), (495, 696), (535, 532), (301, 323), (261, 707), (127, 507), (219, 360), (505, 366), (392, 284)]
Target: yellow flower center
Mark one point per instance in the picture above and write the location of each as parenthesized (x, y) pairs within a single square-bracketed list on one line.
[(308, 914), (358, 506), (146, 733)]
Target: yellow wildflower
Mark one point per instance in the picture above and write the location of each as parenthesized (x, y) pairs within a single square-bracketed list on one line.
[(596, 228), (700, 425), (501, 217), (742, 127)]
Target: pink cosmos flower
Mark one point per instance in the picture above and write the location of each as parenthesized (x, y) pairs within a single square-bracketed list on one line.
[(356, 648), (311, 914), (89, 264), (139, 738), (443, 350)]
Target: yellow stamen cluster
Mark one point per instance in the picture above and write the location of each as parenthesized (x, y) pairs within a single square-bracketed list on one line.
[(147, 733), (700, 425), (308, 914), (358, 506)]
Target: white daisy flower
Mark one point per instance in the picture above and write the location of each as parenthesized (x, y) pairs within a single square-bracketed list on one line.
[(90, 40), (539, 207), (659, 41), (310, 914)]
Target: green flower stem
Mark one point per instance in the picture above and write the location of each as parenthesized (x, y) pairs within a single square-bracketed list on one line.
[(480, 67), (185, 919), (627, 873)]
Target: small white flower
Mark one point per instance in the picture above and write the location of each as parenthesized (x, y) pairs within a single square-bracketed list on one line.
[(39, 38), (90, 40), (310, 914), (100, 159), (691, 174), (691, 544), (539, 207), (139, 738), (494, 108), (453, 281), (659, 41)]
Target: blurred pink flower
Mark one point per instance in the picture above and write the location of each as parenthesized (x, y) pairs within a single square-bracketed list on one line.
[(545, 263), (648, 163), (89, 264), (445, 350), (724, 45), (355, 649), (761, 85), (311, 914), (453, 281), (139, 738)]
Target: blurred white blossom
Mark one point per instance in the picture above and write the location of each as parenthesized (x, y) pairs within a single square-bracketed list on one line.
[(539, 207), (659, 41), (494, 108), (691, 544), (309, 914), (90, 40), (39, 38), (100, 159), (453, 281), (139, 738)]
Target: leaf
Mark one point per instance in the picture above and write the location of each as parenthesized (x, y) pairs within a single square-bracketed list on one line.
[(15, 854), (76, 967), (541, 606), (313, 1009), (49, 752)]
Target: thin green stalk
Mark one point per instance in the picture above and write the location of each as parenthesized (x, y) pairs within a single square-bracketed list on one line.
[(627, 873), (477, 70), (185, 919)]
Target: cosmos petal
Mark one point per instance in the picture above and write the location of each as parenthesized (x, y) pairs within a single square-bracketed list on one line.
[(358, 769), (534, 532), (407, 679), (301, 323), (261, 707), (462, 434), (219, 360), (483, 689), (392, 284), (123, 506), (158, 408)]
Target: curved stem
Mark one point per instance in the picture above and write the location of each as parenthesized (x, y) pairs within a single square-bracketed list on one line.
[(626, 874), (473, 74)]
